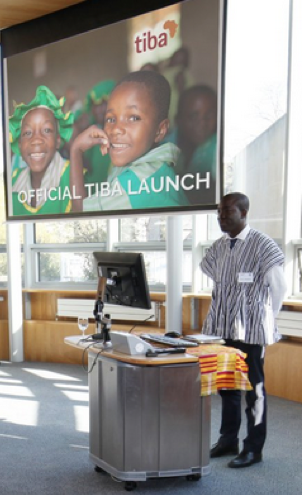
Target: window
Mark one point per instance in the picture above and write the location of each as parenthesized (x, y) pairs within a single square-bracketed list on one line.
[(255, 146), (71, 232), (297, 279), (3, 266), (69, 266), (63, 252), (3, 256), (155, 257), (256, 106), (299, 257), (146, 229), (143, 229), (148, 235)]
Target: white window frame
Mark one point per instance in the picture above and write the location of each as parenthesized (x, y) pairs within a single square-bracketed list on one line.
[(3, 250), (296, 291), (206, 282), (37, 249), (159, 246)]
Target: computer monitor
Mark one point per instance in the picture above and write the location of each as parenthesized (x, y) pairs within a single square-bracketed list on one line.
[(126, 282)]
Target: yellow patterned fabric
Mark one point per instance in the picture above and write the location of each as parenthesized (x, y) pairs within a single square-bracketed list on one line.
[(221, 367)]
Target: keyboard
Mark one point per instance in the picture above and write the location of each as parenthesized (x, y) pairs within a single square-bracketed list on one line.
[(173, 342)]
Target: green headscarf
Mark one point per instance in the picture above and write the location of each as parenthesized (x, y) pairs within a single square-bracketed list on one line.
[(46, 99), (99, 93)]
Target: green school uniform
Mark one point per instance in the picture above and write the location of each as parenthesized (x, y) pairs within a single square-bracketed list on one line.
[(97, 165), (203, 160), (55, 187), (145, 183), (98, 168)]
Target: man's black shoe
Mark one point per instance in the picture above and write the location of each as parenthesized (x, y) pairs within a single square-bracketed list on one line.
[(221, 448), (245, 459)]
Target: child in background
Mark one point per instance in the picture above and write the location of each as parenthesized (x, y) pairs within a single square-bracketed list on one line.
[(72, 102), (196, 136), (96, 166), (36, 132), (135, 125), (96, 101), (179, 77)]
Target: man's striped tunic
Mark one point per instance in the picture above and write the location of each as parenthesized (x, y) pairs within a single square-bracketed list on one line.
[(238, 307)]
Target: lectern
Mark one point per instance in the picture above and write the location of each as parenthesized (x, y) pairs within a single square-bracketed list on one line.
[(147, 418)]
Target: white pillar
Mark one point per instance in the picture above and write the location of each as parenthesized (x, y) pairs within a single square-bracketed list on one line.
[(174, 274), (199, 233), (15, 311), (293, 169), (112, 232)]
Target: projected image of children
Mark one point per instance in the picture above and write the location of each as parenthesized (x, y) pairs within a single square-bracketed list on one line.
[(142, 173), (37, 130), (134, 133)]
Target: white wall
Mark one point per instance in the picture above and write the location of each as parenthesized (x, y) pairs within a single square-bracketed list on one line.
[(259, 173)]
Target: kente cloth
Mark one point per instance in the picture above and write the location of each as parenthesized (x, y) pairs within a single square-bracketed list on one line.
[(221, 368)]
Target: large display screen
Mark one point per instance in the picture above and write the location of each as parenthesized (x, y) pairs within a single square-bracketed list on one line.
[(120, 115)]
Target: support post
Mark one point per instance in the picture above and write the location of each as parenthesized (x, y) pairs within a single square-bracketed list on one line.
[(15, 307), (174, 274)]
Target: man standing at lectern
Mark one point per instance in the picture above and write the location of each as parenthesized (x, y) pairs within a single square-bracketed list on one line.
[(248, 289)]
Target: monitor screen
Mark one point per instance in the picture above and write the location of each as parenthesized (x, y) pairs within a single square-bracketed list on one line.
[(126, 278), (110, 108)]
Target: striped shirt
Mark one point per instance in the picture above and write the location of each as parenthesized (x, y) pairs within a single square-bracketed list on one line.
[(241, 294)]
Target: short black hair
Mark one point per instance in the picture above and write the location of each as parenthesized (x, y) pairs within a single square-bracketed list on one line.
[(158, 87), (197, 90), (242, 201)]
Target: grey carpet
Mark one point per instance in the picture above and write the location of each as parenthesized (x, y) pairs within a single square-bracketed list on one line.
[(44, 442)]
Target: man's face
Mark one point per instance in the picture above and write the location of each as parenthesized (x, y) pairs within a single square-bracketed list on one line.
[(39, 139), (131, 123), (231, 219)]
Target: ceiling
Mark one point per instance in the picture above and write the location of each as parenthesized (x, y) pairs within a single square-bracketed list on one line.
[(17, 11)]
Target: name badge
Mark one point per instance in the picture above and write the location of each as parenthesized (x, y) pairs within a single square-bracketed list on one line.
[(246, 277)]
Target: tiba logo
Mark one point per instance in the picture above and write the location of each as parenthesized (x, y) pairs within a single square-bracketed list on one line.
[(148, 41)]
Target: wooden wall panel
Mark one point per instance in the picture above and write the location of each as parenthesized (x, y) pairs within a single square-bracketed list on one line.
[(43, 305), (204, 307), (186, 314), (283, 369), (3, 305), (44, 338), (17, 11), (44, 342), (4, 341)]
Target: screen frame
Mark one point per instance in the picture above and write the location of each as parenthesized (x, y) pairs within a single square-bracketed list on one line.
[(126, 261), (88, 16)]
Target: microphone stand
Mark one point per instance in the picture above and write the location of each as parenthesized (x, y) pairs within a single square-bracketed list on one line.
[(102, 322)]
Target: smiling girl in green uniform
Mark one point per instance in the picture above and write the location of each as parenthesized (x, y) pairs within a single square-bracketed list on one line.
[(36, 132)]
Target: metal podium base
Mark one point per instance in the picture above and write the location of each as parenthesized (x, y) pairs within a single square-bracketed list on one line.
[(148, 421)]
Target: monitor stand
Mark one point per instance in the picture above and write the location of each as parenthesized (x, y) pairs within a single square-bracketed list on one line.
[(102, 322)]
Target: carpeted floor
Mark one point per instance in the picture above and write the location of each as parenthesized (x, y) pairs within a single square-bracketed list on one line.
[(45, 445)]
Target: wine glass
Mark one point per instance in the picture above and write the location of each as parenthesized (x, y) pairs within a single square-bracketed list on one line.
[(83, 323)]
